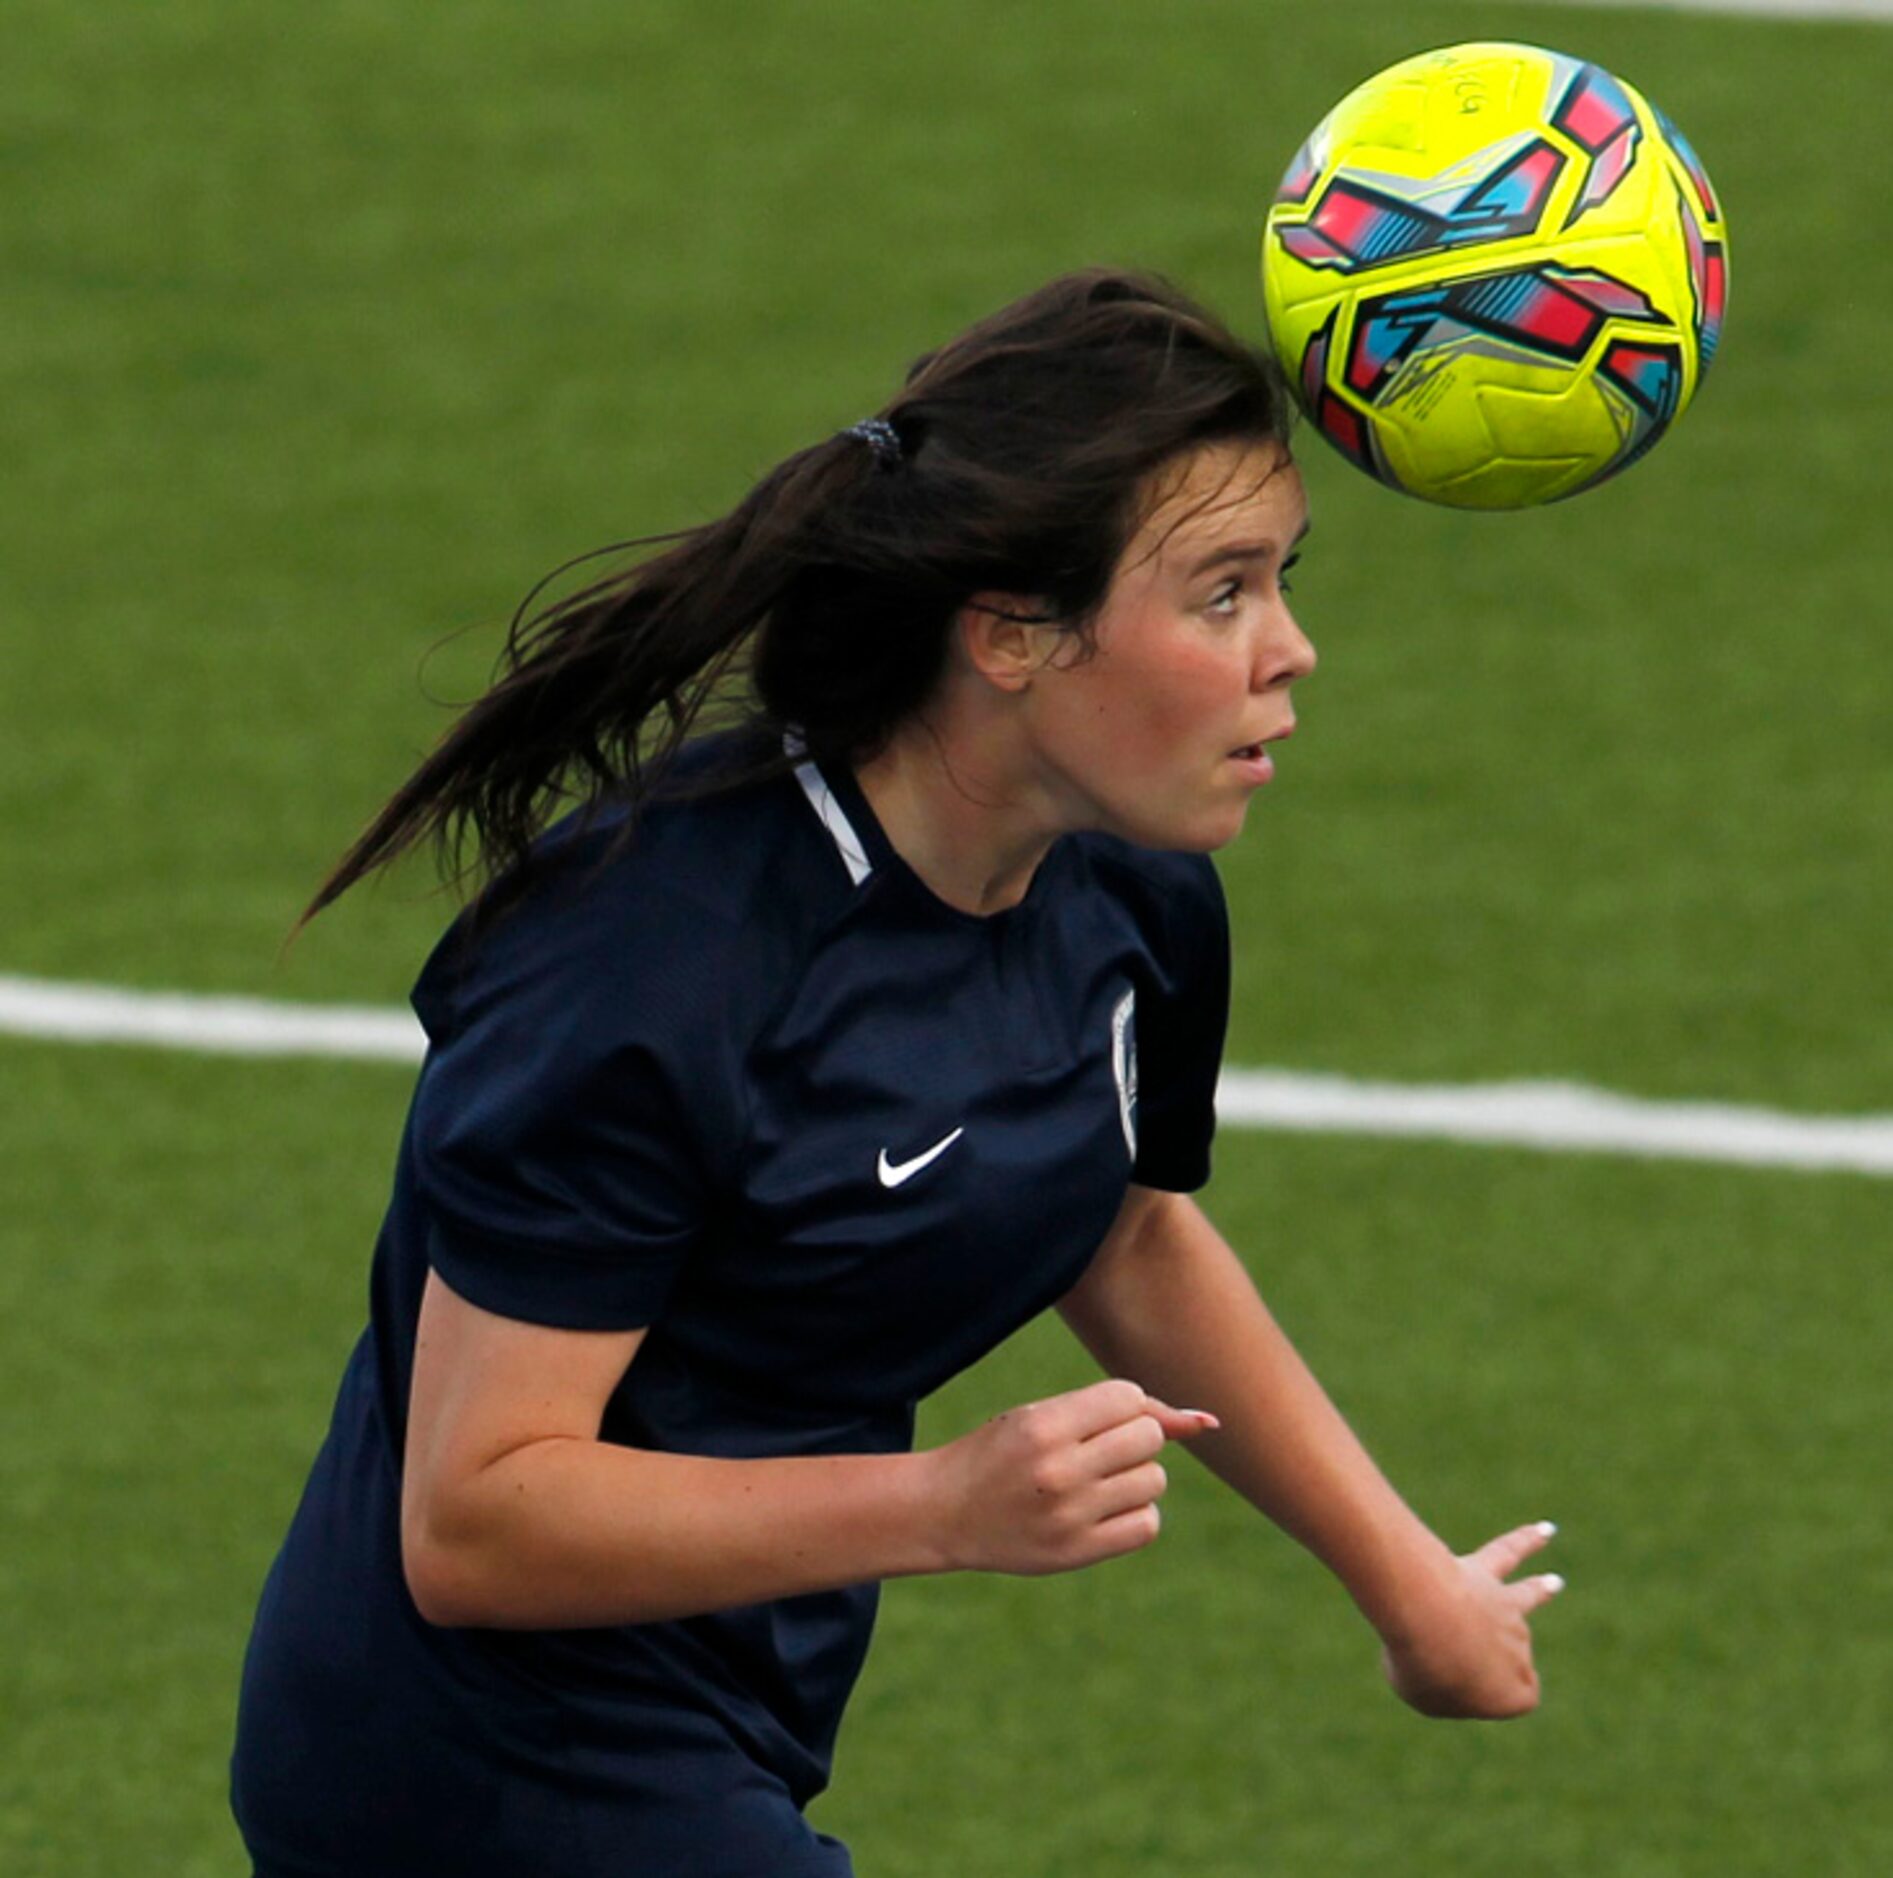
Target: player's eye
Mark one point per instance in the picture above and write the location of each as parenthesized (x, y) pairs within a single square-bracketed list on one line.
[(1224, 599), (1282, 580)]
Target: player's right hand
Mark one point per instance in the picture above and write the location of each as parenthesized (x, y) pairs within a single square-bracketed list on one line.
[(1466, 1652), (1058, 1484)]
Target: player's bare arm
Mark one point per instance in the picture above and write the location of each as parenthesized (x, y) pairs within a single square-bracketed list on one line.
[(1168, 1302), (516, 1515)]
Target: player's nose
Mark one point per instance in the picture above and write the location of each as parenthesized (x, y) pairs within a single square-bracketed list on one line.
[(1284, 654)]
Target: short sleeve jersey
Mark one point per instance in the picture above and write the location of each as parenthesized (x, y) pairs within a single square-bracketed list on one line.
[(752, 1085)]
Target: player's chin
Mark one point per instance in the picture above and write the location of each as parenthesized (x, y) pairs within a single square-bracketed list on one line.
[(1198, 831), (1228, 826), (1195, 814)]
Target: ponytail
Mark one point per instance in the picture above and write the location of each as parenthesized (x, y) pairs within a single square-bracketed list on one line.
[(597, 691)]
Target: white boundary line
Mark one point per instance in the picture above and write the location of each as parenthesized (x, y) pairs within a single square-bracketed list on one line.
[(1763, 9), (177, 1020), (1559, 1117), (1556, 1117)]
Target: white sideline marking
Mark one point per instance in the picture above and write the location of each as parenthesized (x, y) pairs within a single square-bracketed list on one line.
[(1563, 1117), (1767, 9), (1559, 1117), (176, 1020)]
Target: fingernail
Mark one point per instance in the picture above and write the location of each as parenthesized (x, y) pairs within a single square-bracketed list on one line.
[(1552, 1582), (1547, 1528)]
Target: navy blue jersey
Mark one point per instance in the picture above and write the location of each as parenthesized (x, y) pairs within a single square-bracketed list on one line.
[(753, 1085)]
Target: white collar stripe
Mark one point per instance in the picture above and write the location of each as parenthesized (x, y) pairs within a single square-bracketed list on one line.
[(834, 818)]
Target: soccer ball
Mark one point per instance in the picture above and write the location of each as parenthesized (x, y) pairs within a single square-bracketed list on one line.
[(1495, 276)]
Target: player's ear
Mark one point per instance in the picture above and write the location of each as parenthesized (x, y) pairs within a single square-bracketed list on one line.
[(1006, 637)]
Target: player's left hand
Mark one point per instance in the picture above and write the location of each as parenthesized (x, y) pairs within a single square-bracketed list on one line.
[(1466, 1651)]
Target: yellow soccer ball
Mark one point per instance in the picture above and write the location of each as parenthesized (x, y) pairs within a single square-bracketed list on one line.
[(1495, 275)]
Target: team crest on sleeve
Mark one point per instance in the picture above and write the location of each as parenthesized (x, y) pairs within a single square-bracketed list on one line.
[(1124, 1065)]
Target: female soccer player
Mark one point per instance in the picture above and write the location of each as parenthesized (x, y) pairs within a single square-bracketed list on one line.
[(801, 1065)]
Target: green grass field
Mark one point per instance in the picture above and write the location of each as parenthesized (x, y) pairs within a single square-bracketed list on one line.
[(325, 334)]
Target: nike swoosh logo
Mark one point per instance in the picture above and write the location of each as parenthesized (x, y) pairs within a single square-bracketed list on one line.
[(894, 1172)]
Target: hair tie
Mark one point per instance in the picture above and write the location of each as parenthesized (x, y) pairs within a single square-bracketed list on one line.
[(881, 437)]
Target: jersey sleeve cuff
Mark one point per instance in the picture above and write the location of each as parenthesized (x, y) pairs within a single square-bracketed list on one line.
[(557, 1286), (1174, 1173)]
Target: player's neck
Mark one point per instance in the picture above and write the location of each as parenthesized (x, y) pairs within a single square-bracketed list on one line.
[(963, 817)]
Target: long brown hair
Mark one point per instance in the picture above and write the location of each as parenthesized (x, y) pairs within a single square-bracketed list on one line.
[(1013, 460)]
